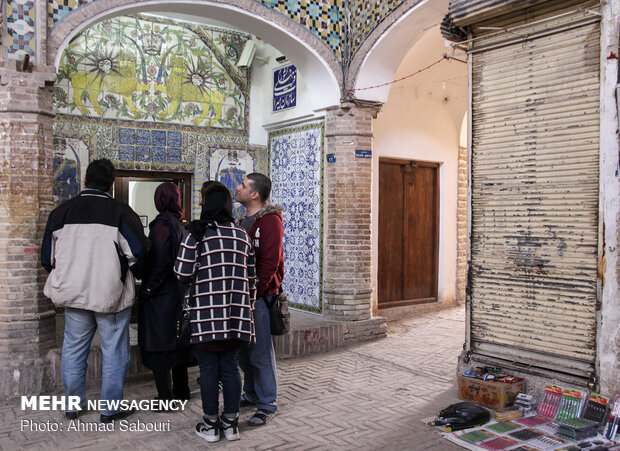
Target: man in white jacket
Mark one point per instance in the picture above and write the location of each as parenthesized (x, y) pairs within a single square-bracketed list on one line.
[(92, 248)]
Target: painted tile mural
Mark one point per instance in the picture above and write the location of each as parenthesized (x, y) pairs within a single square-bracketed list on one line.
[(230, 166), (71, 157), (296, 157), (145, 69)]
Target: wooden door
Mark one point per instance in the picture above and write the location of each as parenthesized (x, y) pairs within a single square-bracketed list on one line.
[(408, 232)]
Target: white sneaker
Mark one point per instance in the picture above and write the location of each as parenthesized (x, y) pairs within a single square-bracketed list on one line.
[(230, 428), (208, 430)]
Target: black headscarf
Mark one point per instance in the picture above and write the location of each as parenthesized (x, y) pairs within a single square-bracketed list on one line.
[(216, 207), (168, 199)]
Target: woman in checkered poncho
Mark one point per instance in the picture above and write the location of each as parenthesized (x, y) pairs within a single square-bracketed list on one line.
[(221, 256)]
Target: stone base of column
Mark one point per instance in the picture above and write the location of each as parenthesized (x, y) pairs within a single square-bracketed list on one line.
[(347, 305), (27, 377), (319, 335)]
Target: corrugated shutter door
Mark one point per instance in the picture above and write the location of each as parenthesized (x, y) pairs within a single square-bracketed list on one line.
[(534, 196)]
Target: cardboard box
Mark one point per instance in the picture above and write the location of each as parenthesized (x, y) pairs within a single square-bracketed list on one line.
[(496, 395)]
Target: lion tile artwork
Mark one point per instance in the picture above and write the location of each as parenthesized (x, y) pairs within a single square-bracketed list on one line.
[(149, 70)]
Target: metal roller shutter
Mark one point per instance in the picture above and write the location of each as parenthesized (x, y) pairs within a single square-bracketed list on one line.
[(535, 192)]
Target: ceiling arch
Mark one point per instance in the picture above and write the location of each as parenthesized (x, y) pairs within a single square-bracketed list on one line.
[(377, 60)]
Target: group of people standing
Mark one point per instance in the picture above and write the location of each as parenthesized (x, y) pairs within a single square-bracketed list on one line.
[(225, 273)]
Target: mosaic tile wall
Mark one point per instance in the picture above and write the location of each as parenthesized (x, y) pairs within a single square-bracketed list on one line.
[(18, 23), (326, 19), (296, 171), (146, 69), (208, 156), (364, 18)]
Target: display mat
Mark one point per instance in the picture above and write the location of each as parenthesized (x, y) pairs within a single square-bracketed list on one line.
[(528, 434)]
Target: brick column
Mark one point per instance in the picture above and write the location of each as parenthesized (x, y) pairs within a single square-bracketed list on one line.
[(27, 320), (461, 228), (347, 282)]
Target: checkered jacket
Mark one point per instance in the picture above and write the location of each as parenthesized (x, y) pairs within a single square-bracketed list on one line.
[(223, 298)]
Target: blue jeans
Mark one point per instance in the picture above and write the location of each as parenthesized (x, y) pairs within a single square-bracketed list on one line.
[(80, 326), (213, 366), (258, 362)]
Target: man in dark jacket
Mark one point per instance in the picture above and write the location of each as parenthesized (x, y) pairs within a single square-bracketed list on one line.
[(263, 222), (92, 248)]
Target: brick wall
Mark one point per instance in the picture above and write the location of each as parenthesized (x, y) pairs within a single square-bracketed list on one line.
[(26, 317), (347, 286)]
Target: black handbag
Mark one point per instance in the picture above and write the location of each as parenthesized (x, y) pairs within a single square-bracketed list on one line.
[(183, 326), (279, 316), (184, 329)]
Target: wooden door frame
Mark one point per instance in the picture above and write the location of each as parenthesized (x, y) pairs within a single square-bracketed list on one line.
[(133, 175), (404, 302)]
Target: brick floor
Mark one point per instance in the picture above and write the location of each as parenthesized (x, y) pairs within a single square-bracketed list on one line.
[(369, 396)]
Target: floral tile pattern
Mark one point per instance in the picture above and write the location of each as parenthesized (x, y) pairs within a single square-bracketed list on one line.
[(296, 157)]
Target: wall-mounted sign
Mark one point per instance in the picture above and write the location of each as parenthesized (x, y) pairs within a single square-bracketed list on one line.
[(284, 88), (363, 153), (331, 157)]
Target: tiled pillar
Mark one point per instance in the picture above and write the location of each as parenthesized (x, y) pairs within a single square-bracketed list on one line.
[(26, 318), (348, 171)]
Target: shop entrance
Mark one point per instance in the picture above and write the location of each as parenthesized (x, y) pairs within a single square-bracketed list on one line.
[(408, 232)]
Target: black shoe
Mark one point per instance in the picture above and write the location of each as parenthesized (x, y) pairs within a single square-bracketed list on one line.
[(116, 416), (244, 402), (71, 415)]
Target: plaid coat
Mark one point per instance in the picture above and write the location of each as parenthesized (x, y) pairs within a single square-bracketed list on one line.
[(223, 298)]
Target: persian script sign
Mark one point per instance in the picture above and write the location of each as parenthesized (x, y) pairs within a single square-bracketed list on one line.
[(284, 88)]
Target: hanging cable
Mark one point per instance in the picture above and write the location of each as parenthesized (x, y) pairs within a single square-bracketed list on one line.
[(400, 79)]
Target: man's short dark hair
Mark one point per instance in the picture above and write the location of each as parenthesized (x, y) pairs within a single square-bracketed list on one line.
[(100, 174), (261, 184)]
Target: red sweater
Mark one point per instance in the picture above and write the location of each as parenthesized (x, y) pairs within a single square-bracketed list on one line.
[(266, 234)]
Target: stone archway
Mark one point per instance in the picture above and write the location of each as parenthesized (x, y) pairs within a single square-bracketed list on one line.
[(319, 66), (378, 58)]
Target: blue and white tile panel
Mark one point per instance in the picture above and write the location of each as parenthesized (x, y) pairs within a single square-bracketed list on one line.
[(296, 156)]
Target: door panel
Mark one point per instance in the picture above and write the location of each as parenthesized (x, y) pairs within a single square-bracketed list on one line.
[(408, 232), (391, 197)]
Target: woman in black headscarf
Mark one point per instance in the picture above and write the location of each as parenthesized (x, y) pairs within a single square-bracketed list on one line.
[(220, 255), (161, 299)]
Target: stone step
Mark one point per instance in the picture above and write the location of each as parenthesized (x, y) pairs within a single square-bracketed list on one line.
[(309, 334)]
